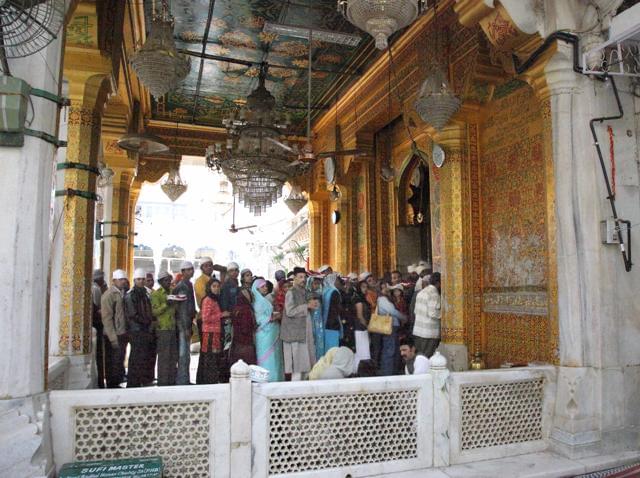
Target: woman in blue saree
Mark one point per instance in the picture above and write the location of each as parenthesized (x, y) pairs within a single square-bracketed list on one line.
[(314, 291), (268, 344), (331, 311)]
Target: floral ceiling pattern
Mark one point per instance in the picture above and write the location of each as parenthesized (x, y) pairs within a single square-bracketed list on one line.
[(236, 31)]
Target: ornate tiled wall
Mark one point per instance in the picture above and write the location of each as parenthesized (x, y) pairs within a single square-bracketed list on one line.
[(514, 230)]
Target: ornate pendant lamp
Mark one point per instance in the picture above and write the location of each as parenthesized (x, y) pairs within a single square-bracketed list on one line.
[(174, 186), (158, 64), (436, 103), (381, 18), (295, 201)]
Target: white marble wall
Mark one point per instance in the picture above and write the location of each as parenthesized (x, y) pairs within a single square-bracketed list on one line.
[(64, 403), (263, 393), (598, 301)]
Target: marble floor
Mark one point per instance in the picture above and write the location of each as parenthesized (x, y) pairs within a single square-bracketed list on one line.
[(534, 465)]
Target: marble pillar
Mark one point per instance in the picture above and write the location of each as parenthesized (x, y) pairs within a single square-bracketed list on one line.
[(25, 194), (598, 304)]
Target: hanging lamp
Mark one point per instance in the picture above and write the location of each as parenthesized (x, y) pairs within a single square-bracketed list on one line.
[(174, 186), (158, 64), (381, 18), (437, 103)]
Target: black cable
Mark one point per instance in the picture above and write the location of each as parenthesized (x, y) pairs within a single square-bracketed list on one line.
[(611, 196)]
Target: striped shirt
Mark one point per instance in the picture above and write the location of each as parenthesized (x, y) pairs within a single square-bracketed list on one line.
[(427, 313)]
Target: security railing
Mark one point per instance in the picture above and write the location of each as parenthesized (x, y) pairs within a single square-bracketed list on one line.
[(356, 427)]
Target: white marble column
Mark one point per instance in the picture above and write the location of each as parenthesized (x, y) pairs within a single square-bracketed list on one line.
[(25, 195), (598, 309)]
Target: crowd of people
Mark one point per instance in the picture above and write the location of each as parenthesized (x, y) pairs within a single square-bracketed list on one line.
[(304, 325)]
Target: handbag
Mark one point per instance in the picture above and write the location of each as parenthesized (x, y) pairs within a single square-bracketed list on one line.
[(380, 324)]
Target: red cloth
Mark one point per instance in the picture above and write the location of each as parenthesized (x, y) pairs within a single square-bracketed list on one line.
[(278, 303), (244, 326), (211, 325)]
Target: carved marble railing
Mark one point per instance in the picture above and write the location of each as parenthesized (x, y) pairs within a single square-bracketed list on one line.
[(188, 426), (356, 427)]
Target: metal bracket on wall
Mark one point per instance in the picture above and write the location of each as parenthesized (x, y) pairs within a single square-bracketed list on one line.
[(84, 167), (59, 100), (76, 192), (46, 137)]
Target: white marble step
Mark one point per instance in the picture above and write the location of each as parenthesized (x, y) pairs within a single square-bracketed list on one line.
[(533, 465)]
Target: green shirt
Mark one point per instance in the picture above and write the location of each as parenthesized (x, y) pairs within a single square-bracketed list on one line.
[(162, 311)]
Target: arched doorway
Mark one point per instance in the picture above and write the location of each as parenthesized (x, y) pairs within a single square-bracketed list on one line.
[(414, 215)]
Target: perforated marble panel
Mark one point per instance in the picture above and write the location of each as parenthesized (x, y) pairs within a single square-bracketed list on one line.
[(178, 432), (314, 433), (501, 414)]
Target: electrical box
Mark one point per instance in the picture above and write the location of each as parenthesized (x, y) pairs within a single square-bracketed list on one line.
[(14, 101), (609, 233)]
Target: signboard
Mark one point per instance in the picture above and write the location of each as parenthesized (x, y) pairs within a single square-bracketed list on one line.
[(148, 467)]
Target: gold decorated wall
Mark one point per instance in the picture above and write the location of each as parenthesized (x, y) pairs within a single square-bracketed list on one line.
[(491, 203), (514, 231)]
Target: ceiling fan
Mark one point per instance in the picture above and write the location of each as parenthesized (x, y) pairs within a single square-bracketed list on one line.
[(233, 229)]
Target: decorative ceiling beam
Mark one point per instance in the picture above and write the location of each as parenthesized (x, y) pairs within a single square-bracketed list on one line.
[(257, 64), (205, 39)]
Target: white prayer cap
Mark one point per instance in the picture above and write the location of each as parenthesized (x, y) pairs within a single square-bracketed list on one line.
[(163, 274), (324, 268), (420, 269), (186, 265), (205, 260), (139, 274), (119, 274), (423, 263), (411, 268), (364, 275), (233, 265), (352, 276)]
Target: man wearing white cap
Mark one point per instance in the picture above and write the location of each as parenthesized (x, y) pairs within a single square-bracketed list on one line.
[(185, 313), (140, 320), (114, 329), (325, 269), (164, 311), (426, 328)]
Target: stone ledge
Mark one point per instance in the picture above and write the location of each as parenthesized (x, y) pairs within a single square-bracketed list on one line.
[(533, 465)]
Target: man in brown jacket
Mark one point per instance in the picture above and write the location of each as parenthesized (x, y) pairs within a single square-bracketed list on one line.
[(115, 329)]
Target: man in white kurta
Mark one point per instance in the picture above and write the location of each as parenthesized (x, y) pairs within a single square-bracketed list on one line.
[(427, 312)]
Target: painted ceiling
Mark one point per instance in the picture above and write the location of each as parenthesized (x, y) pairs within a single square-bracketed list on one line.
[(236, 31)]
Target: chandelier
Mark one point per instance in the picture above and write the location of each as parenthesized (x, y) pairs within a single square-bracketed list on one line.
[(381, 18), (256, 157), (158, 64), (295, 200), (174, 186), (436, 103)]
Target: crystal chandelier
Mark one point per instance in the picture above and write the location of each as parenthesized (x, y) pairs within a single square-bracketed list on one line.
[(381, 18), (174, 186), (255, 131), (158, 64), (256, 158), (436, 103)]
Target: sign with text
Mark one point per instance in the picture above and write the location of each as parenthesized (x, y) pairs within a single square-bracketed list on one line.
[(148, 467)]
